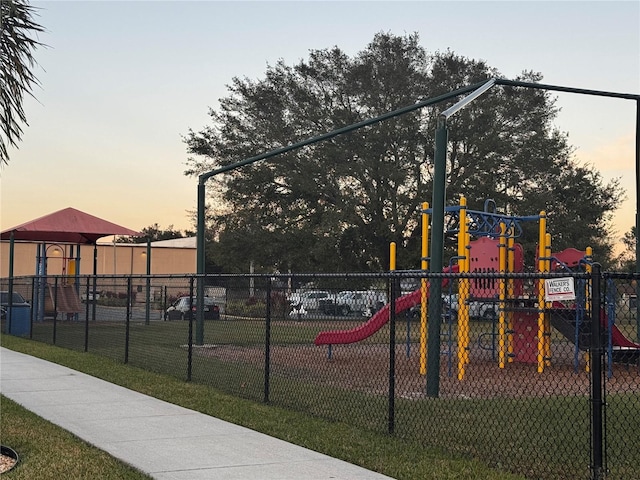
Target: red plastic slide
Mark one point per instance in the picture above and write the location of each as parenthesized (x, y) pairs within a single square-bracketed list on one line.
[(619, 340), (370, 327), (617, 337), (375, 323)]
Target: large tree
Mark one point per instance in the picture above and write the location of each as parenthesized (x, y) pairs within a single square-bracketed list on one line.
[(17, 44), (336, 205), (156, 233), (627, 258)]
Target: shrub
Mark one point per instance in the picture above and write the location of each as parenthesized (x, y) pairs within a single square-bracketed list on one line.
[(244, 308)]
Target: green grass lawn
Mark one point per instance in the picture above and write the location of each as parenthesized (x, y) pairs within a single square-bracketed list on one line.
[(539, 437), (47, 452), (393, 456)]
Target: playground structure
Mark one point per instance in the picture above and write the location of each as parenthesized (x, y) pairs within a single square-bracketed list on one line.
[(59, 297), (526, 312), (70, 228)]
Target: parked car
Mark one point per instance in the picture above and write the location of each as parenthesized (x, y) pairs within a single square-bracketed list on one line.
[(93, 295), (179, 309), (307, 301), (487, 310), (294, 298), (628, 302), (342, 304), (358, 301), (17, 301)]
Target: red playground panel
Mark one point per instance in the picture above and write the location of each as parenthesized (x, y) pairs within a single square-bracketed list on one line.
[(484, 257), (570, 257), (525, 337)]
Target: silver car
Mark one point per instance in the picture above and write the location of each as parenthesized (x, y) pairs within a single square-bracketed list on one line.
[(486, 310)]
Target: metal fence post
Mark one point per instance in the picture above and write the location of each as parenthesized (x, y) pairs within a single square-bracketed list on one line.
[(86, 319), (55, 308), (267, 344), (128, 321), (164, 303), (392, 354), (94, 303), (597, 405), (87, 303), (147, 296), (10, 313), (33, 289), (190, 342)]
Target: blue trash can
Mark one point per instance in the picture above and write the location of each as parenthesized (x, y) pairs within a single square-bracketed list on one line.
[(19, 320)]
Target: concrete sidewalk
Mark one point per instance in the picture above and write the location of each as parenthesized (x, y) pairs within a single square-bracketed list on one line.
[(161, 439)]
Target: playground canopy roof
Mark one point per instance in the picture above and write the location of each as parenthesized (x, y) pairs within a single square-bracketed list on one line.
[(66, 226)]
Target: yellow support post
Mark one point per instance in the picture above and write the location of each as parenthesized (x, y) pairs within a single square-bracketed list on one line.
[(502, 267), (542, 238), (392, 256), (511, 262), (424, 265), (463, 290)]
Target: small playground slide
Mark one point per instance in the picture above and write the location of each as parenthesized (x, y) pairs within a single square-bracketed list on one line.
[(67, 300), (370, 327), (619, 340), (563, 320), (376, 322), (623, 350)]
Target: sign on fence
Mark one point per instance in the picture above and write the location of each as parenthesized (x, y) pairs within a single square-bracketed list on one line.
[(556, 289)]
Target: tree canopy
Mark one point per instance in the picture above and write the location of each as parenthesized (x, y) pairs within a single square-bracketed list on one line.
[(336, 205), (627, 258), (155, 233)]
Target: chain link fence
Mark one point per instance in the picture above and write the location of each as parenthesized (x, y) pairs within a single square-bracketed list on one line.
[(523, 384)]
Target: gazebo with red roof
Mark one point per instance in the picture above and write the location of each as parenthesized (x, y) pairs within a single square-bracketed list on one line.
[(68, 226)]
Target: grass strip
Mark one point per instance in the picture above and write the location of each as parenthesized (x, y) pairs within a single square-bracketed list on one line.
[(545, 437), (47, 452), (397, 458)]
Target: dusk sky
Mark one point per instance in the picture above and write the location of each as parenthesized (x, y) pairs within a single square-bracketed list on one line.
[(122, 82)]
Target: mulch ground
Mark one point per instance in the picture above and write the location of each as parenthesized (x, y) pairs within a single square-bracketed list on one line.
[(365, 367)]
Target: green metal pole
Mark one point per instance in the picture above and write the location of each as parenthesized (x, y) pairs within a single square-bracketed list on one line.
[(200, 262), (95, 282), (435, 265), (10, 299), (437, 237), (147, 309), (12, 242), (596, 359)]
